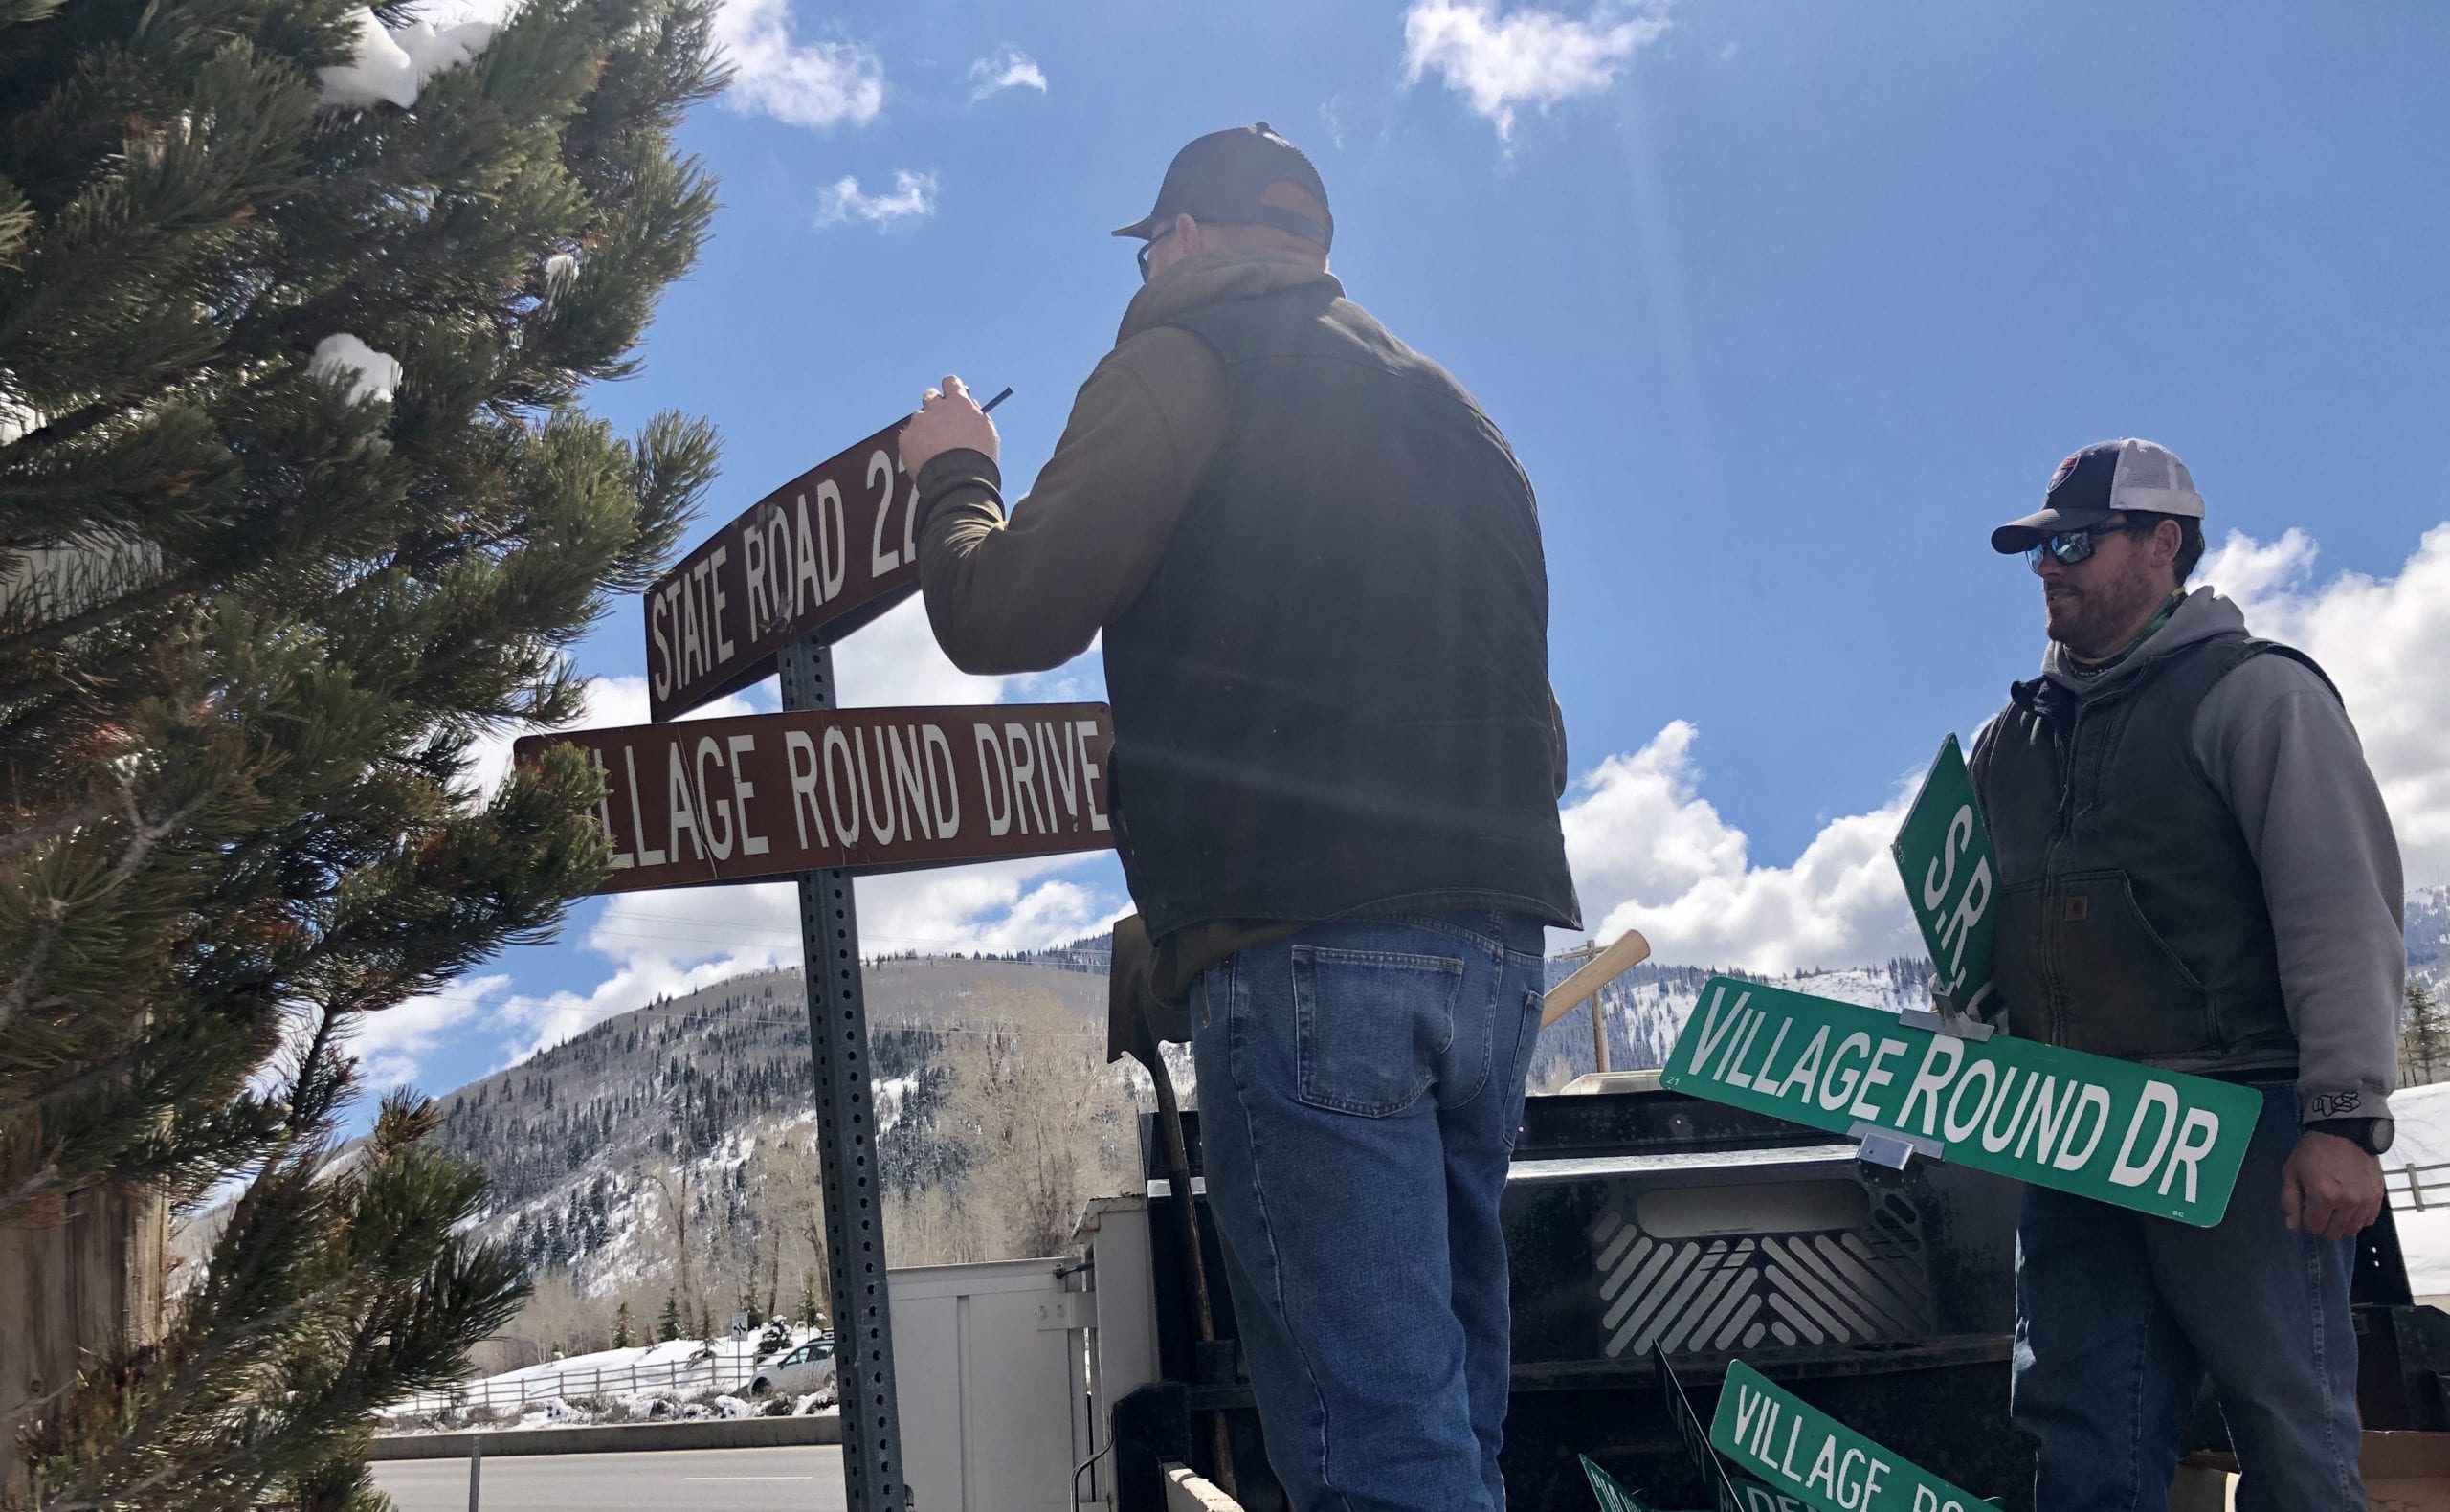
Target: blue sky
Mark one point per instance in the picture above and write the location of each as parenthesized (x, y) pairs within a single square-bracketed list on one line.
[(1782, 306)]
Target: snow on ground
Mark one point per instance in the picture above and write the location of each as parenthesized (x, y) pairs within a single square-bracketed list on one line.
[(887, 1098), (2423, 1115), (633, 1380)]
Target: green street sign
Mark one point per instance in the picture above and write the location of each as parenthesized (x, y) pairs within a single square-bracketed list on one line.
[(1695, 1435), (1944, 855), (2157, 1140), (1801, 1449), (1612, 1494)]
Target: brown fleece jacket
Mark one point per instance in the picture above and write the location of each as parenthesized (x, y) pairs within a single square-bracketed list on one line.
[(1030, 593)]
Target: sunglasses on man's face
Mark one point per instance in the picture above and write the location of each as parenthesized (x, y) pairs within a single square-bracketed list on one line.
[(1150, 246), (2071, 547)]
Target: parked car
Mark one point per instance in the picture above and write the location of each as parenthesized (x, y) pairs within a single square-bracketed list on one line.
[(810, 1367)]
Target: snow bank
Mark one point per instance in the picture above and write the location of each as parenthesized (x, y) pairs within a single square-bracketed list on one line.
[(2423, 1115), (394, 66)]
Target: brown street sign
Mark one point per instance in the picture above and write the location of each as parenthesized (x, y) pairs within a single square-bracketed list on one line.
[(836, 546), (732, 800)]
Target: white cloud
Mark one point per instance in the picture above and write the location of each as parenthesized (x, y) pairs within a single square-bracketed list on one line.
[(912, 197), (1006, 68), (611, 701), (896, 661), (2382, 641), (819, 85), (1331, 117), (390, 1044), (1499, 59), (1650, 854)]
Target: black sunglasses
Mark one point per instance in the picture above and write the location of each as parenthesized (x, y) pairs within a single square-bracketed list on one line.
[(1150, 246), (2071, 547)]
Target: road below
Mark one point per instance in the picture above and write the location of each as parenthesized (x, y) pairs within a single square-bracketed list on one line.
[(805, 1478)]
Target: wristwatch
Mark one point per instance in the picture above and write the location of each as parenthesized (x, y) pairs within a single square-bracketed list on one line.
[(2372, 1135)]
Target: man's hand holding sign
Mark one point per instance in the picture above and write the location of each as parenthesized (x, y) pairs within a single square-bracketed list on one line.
[(2168, 872), (2155, 1140), (948, 419)]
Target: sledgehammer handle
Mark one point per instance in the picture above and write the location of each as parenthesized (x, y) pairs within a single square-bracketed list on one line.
[(1630, 950)]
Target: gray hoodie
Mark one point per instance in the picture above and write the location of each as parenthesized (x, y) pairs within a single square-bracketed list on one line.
[(2278, 749)]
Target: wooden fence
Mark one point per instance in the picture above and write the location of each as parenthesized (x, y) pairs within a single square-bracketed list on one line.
[(74, 1291)]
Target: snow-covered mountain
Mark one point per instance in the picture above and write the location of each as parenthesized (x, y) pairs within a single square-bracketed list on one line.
[(1646, 1007), (2428, 916), (701, 1094), (713, 1089)]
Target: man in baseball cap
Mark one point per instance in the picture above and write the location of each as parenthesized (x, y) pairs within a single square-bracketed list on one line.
[(1316, 568), (1241, 176), (2197, 873)]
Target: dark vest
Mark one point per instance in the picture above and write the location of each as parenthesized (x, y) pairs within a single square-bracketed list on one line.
[(1333, 691), (2132, 920)]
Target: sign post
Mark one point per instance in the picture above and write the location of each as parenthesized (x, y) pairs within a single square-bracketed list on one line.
[(837, 1041), (825, 794)]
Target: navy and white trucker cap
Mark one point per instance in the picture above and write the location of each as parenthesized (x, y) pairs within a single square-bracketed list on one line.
[(2104, 479)]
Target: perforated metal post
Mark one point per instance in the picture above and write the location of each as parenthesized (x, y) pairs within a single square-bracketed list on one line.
[(837, 1032)]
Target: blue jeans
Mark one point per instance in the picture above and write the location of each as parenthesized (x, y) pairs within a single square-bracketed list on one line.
[(1360, 1085), (2120, 1316)]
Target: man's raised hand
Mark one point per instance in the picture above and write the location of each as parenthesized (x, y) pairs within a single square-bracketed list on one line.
[(948, 420)]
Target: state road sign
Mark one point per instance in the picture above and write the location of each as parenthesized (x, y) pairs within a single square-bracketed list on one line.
[(1943, 852), (1799, 1450), (732, 800), (835, 547), (2159, 1141)]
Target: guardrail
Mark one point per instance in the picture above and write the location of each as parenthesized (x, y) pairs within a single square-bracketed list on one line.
[(707, 1372), (2407, 1188)]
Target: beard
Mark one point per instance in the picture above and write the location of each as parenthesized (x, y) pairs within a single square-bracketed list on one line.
[(2094, 621)]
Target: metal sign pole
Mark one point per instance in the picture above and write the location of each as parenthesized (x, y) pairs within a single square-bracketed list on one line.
[(837, 1032)]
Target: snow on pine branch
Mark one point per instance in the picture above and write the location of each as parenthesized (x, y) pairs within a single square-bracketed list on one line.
[(396, 66), (371, 374)]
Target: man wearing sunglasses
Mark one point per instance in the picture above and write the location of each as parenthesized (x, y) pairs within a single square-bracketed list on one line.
[(1316, 568), (2197, 873)]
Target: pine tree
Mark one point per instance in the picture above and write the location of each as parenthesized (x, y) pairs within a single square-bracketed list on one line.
[(2424, 1036), (297, 500), (622, 1338), (810, 1314), (668, 1327)]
